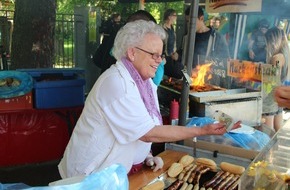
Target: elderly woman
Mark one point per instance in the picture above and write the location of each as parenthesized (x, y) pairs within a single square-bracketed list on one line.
[(121, 117)]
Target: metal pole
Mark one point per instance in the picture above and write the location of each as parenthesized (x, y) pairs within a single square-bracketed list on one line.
[(189, 51), (141, 4)]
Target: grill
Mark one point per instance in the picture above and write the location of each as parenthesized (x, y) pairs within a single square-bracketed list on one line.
[(242, 104)]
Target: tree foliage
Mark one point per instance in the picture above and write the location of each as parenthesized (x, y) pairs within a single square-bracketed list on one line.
[(108, 7)]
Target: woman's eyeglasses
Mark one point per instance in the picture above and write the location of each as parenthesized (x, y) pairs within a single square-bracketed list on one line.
[(155, 56)]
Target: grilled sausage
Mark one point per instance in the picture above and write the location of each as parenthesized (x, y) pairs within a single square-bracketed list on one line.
[(231, 181), (189, 187), (225, 181), (197, 169), (234, 185), (175, 185), (219, 180), (210, 182), (189, 173), (198, 175), (184, 186)]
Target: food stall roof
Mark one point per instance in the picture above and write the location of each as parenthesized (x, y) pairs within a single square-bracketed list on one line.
[(148, 1)]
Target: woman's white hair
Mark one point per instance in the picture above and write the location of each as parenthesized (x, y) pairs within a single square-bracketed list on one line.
[(132, 34)]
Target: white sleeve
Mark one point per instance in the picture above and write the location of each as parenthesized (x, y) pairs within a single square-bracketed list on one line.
[(124, 109)]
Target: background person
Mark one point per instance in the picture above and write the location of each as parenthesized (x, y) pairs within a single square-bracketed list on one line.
[(121, 116), (173, 67), (218, 45), (217, 23), (102, 57), (257, 43), (169, 19), (277, 53)]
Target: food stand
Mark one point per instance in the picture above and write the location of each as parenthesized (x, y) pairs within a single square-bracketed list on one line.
[(202, 104), (236, 101)]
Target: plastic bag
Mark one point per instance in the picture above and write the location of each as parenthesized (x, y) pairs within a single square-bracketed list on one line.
[(254, 141), (13, 186), (114, 177), (200, 121), (14, 83)]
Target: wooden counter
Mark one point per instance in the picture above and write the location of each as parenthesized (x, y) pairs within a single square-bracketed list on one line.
[(146, 175)]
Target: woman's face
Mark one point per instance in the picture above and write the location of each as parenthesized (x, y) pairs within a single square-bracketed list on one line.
[(143, 59)]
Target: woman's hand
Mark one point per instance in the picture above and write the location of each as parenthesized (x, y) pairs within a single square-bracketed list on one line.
[(282, 96), (155, 163), (218, 128)]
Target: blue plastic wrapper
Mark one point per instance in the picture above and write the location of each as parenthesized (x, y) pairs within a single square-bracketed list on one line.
[(22, 84), (200, 121), (255, 141), (12, 186), (286, 83), (114, 177)]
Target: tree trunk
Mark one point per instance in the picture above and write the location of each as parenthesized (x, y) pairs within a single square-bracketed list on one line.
[(33, 34)]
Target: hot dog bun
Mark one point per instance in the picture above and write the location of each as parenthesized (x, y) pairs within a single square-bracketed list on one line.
[(206, 162), (157, 185), (175, 169), (232, 168), (186, 160)]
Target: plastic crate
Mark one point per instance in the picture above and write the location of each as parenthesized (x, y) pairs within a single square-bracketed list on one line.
[(17, 103), (57, 88)]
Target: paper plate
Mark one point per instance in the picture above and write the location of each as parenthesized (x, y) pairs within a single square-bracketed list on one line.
[(244, 129)]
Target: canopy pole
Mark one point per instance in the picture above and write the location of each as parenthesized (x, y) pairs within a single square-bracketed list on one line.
[(141, 4), (189, 51)]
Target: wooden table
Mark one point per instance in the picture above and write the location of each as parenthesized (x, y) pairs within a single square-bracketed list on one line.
[(146, 175)]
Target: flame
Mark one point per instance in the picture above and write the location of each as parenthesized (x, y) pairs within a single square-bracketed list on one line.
[(200, 74), (247, 71)]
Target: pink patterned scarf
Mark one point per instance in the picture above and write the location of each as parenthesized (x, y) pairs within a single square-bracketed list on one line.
[(145, 90)]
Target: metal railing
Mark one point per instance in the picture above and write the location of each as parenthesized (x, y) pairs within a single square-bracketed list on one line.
[(63, 42)]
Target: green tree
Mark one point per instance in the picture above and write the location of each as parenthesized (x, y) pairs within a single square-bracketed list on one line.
[(33, 34), (34, 24)]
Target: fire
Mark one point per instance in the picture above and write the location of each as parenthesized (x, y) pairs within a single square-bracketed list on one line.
[(201, 74), (245, 70)]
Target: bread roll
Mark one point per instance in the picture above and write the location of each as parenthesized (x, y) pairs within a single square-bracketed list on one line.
[(186, 160), (175, 169), (206, 162), (232, 168), (157, 185)]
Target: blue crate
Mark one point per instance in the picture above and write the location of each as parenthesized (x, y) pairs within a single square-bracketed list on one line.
[(57, 88)]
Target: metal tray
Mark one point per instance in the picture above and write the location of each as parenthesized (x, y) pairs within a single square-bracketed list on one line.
[(168, 181), (220, 95)]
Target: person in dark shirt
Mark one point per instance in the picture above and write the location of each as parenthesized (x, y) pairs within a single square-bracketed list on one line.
[(208, 42), (257, 43), (109, 30), (169, 18)]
